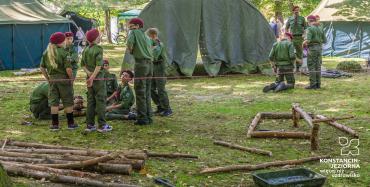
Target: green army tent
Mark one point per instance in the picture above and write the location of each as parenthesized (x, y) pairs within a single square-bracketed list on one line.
[(347, 26), (25, 27), (232, 35)]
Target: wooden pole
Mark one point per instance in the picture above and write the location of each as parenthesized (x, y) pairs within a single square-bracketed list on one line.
[(38, 146), (261, 166), (331, 119), (19, 171), (279, 134), (315, 137), (170, 155), (296, 117), (239, 147), (339, 126), (304, 114), (254, 124)]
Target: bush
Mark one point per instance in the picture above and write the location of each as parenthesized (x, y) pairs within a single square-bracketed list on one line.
[(349, 66)]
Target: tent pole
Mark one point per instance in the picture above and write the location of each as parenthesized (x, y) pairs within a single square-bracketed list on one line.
[(13, 47)]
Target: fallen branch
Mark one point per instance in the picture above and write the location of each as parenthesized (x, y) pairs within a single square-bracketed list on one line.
[(4, 144), (170, 155), (252, 150), (38, 146), (331, 119), (339, 126), (261, 166), (83, 164), (254, 124), (123, 169), (280, 134), (304, 114), (19, 171), (279, 115)]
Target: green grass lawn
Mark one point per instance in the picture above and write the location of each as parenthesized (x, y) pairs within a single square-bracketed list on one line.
[(208, 109)]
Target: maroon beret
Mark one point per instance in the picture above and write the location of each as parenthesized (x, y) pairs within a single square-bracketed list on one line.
[(289, 35), (92, 35), (57, 38), (311, 17), (69, 34), (295, 7), (105, 61), (137, 21)]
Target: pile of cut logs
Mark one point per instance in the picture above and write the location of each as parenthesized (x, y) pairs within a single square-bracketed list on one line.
[(72, 165)]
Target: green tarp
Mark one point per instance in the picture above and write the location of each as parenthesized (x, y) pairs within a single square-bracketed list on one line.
[(232, 35)]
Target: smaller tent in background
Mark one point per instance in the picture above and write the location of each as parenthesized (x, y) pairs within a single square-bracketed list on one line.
[(80, 21), (25, 27), (129, 14), (347, 27)]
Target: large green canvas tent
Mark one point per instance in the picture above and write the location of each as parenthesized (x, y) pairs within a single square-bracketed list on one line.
[(347, 27), (232, 35), (25, 27)]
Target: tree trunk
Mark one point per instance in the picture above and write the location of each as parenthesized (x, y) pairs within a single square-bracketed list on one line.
[(279, 134), (107, 25), (254, 124), (260, 166), (340, 126), (248, 149), (19, 171)]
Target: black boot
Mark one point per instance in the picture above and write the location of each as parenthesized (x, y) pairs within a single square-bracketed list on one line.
[(282, 86), (270, 87)]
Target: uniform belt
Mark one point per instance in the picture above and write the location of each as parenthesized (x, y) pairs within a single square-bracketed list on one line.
[(157, 62), (297, 35)]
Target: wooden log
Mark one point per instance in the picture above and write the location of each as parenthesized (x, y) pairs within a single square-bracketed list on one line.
[(279, 115), (339, 126), (38, 146), (280, 134), (19, 171), (123, 169), (83, 164), (331, 119), (239, 147), (315, 137), (52, 170), (296, 118), (170, 155), (34, 160), (254, 124), (136, 164), (304, 114), (260, 166)]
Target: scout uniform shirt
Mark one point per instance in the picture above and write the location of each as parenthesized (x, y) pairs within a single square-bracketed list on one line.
[(315, 35), (92, 56), (282, 53), (140, 44), (296, 25), (73, 57), (60, 60), (40, 93), (111, 83), (126, 97)]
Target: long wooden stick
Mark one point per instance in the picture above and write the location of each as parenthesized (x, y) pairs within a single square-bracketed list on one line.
[(239, 147), (304, 114), (83, 164), (260, 166), (279, 115), (38, 145), (4, 144), (331, 119), (280, 134), (339, 126), (170, 155), (19, 171), (254, 124)]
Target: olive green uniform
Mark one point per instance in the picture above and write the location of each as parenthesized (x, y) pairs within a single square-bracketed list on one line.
[(126, 99), (297, 26), (142, 52), (315, 37), (39, 105), (159, 93), (92, 56), (59, 90), (73, 57), (282, 55), (111, 85)]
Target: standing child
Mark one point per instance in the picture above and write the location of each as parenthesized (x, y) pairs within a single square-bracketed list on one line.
[(158, 92), (121, 110), (111, 82), (139, 45), (282, 58), (72, 53), (92, 62), (54, 65)]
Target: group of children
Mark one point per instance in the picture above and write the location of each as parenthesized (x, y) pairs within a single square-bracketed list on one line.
[(59, 66), (286, 54)]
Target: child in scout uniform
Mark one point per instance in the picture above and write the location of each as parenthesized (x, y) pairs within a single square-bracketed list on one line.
[(282, 59), (54, 66), (158, 90), (315, 37), (111, 81), (72, 52), (120, 110), (39, 105), (139, 45), (92, 62), (297, 25)]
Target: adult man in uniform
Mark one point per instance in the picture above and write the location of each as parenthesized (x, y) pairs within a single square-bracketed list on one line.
[(315, 37), (296, 25), (139, 45)]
